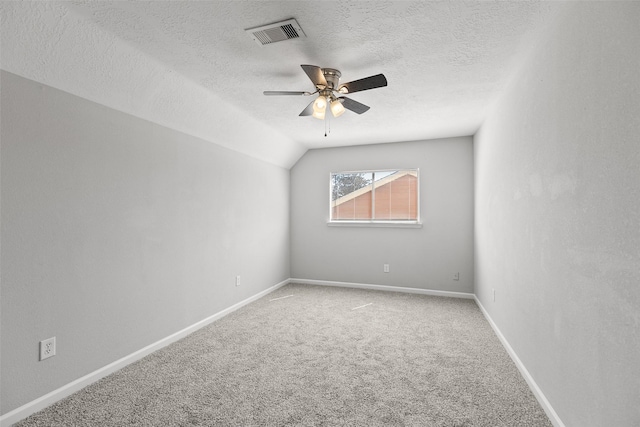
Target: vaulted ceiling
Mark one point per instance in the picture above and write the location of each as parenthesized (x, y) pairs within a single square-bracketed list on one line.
[(190, 66)]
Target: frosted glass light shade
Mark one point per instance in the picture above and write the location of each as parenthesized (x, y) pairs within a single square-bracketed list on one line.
[(320, 104), (336, 108), (319, 107)]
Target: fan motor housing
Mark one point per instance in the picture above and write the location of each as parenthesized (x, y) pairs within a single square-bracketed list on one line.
[(332, 76)]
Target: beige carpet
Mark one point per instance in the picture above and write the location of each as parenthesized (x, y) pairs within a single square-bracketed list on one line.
[(322, 356)]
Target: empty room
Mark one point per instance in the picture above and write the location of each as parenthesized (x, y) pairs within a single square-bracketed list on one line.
[(320, 213)]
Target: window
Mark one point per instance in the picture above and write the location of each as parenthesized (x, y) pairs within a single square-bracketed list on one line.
[(382, 196)]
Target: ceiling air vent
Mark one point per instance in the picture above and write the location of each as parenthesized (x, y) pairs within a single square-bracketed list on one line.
[(276, 32)]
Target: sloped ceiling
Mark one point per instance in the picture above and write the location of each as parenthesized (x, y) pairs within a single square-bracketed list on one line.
[(190, 66)]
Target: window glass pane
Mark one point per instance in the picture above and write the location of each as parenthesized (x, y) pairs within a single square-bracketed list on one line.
[(351, 195), (396, 195)]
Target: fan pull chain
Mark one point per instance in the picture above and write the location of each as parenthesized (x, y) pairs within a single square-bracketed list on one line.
[(325, 125)]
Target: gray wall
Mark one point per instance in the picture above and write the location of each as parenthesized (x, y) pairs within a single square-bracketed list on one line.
[(421, 258), (117, 233), (557, 187)]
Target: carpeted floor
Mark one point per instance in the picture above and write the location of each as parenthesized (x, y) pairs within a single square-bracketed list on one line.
[(318, 356)]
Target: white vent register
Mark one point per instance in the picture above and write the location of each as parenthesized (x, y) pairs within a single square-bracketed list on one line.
[(276, 32)]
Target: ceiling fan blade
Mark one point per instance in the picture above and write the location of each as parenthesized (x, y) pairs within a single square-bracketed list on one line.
[(309, 110), (315, 74), (284, 92), (379, 80), (354, 106)]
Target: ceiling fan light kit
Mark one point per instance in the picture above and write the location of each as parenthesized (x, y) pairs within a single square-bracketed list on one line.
[(320, 106), (327, 84)]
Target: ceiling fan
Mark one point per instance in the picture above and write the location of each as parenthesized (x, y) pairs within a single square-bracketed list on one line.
[(326, 82)]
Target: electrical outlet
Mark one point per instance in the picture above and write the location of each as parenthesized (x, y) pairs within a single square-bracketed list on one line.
[(47, 348), (456, 276), (385, 268), (237, 280)]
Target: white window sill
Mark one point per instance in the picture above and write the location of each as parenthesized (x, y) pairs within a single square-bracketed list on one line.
[(376, 224)]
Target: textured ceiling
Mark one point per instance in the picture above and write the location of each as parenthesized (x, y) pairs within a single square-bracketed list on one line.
[(190, 66)]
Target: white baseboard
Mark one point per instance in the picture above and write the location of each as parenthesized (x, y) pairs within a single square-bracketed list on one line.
[(48, 399), (384, 288), (546, 406)]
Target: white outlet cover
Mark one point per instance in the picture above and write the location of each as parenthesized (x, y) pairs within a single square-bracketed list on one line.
[(47, 348)]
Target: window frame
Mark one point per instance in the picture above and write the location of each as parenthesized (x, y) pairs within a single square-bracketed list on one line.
[(410, 223)]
